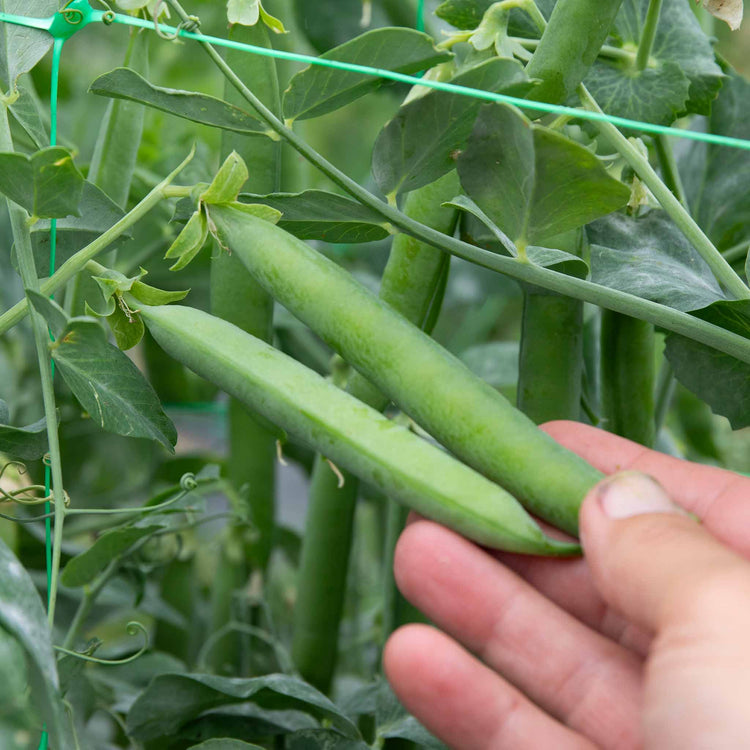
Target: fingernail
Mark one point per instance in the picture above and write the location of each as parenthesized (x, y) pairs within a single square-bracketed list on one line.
[(632, 494)]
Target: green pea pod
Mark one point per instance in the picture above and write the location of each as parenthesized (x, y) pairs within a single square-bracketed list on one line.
[(628, 373), (379, 451), (574, 35), (412, 275), (551, 358), (460, 410)]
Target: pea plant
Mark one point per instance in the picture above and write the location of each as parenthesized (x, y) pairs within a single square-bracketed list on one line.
[(357, 247)]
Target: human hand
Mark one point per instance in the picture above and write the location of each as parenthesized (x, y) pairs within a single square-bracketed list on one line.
[(645, 643)]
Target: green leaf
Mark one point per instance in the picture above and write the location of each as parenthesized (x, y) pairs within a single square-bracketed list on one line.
[(716, 177), (24, 443), (189, 241), (322, 739), (463, 14), (149, 295), (317, 90), (421, 143), (244, 12), (651, 258), (22, 615), (84, 568), (47, 183), (682, 75), (53, 314), (28, 112), (109, 386), (540, 183), (21, 48), (124, 83), (228, 182), (97, 214), (319, 215), (126, 326), (171, 701)]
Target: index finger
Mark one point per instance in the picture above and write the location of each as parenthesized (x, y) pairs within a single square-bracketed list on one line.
[(720, 498)]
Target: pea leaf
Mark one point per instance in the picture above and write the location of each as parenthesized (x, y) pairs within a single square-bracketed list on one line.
[(124, 83), (21, 48), (28, 112), (98, 213), (421, 143), (682, 75), (716, 177), (126, 326), (84, 568), (541, 183), (47, 183), (228, 182), (322, 739), (55, 316), (244, 12), (189, 241), (320, 215), (651, 258), (24, 443), (468, 14), (172, 700), (109, 386), (22, 616), (316, 90)]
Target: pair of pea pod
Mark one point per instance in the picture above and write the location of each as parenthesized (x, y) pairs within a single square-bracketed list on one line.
[(495, 441)]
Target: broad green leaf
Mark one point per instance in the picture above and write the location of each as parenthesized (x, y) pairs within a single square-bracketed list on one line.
[(329, 23), (189, 241), (47, 183), (17, 716), (468, 14), (109, 386), (392, 720), (539, 183), (228, 182), (55, 316), (124, 83), (24, 443), (22, 616), (319, 215), (651, 258), (716, 378), (225, 744), (84, 568), (97, 214), (317, 90), (322, 739), (149, 295), (244, 12), (28, 112), (682, 75), (716, 178), (21, 48), (422, 142), (171, 701)]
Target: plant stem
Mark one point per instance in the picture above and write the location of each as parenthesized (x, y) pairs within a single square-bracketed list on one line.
[(76, 263), (648, 34), (719, 266), (19, 220), (607, 51), (612, 299)]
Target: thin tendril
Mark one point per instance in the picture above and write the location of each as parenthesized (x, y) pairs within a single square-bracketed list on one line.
[(133, 628)]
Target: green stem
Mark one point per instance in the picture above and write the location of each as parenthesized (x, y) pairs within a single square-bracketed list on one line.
[(76, 263), (648, 34), (607, 51), (19, 220), (718, 265), (737, 252), (629, 304)]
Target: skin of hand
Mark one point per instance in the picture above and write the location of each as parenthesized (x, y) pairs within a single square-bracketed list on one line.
[(643, 643)]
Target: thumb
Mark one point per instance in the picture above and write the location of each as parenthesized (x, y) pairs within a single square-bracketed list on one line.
[(652, 561)]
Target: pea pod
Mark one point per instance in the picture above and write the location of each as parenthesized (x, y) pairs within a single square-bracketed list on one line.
[(379, 451), (438, 391), (628, 377), (409, 282), (569, 45)]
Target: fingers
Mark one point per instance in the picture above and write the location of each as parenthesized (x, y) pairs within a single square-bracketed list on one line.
[(718, 497), (463, 702), (584, 679), (651, 561)]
